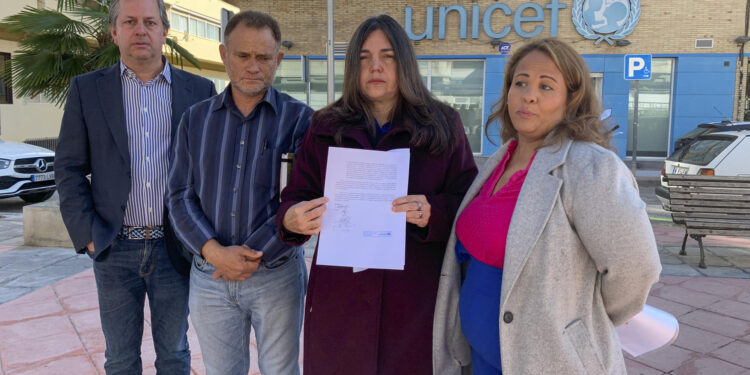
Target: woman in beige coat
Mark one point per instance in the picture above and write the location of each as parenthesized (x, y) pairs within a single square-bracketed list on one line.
[(567, 237)]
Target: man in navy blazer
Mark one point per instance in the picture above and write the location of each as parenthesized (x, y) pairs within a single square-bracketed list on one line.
[(117, 127)]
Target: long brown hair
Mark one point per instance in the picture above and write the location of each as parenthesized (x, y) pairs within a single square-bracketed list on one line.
[(416, 108), (581, 121)]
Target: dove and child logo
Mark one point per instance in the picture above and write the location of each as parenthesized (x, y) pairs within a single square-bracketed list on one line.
[(605, 20)]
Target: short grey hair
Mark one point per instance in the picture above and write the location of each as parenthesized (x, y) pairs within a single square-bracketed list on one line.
[(114, 11)]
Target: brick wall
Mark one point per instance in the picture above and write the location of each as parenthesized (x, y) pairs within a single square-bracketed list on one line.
[(666, 26)]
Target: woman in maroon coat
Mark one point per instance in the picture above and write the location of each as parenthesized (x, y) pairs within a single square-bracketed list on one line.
[(379, 321)]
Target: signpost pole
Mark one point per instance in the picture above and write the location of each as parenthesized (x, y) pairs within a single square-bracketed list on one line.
[(634, 160), (330, 43), (637, 67), (306, 77)]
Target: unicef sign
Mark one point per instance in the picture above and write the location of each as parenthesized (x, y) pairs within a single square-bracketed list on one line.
[(534, 14), (601, 20), (605, 20)]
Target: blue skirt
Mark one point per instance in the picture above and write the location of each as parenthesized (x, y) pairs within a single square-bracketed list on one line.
[(479, 309)]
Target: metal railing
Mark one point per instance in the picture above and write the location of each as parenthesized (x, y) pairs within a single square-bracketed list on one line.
[(48, 143)]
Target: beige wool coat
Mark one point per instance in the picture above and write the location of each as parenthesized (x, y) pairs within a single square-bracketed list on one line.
[(580, 259)]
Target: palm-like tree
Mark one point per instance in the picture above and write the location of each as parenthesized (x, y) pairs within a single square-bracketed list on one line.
[(61, 44)]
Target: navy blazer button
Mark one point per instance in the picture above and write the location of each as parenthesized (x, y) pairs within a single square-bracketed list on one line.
[(508, 317)]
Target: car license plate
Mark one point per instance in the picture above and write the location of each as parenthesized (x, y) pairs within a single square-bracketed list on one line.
[(43, 177), (679, 170)]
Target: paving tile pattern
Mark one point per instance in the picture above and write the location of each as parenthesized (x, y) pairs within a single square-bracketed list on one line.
[(11, 226), (714, 316), (49, 318), (57, 327), (722, 259), (25, 269)]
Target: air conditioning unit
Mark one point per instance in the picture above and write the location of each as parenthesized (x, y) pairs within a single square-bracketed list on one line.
[(339, 49), (704, 43)]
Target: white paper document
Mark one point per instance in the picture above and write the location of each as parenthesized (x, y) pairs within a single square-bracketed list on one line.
[(359, 229), (649, 330)]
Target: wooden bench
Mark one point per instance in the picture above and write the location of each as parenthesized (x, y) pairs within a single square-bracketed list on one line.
[(709, 205)]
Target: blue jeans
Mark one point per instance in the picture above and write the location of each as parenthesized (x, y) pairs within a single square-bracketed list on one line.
[(271, 301), (125, 273)]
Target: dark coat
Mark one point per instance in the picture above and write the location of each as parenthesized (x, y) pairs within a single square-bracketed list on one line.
[(94, 140), (378, 321)]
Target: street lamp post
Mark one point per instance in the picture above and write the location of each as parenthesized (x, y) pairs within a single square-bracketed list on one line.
[(331, 72)]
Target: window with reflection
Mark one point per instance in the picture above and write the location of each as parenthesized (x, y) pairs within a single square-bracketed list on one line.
[(289, 80), (6, 94), (458, 83), (654, 107), (219, 83), (193, 26), (319, 82), (178, 22)]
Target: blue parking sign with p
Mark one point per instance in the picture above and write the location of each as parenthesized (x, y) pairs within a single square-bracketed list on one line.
[(637, 67)]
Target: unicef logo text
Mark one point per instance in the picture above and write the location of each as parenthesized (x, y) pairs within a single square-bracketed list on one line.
[(605, 20)]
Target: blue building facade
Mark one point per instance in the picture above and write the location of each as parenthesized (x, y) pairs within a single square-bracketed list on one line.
[(702, 90), (463, 49), (689, 90)]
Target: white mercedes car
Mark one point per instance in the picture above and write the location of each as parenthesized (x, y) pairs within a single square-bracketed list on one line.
[(26, 171)]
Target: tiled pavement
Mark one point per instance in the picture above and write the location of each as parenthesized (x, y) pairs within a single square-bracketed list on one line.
[(25, 269), (714, 316), (55, 328)]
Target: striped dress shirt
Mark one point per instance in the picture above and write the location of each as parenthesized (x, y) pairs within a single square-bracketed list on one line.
[(148, 114), (224, 178)]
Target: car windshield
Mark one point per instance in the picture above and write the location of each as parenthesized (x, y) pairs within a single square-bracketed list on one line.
[(703, 149)]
